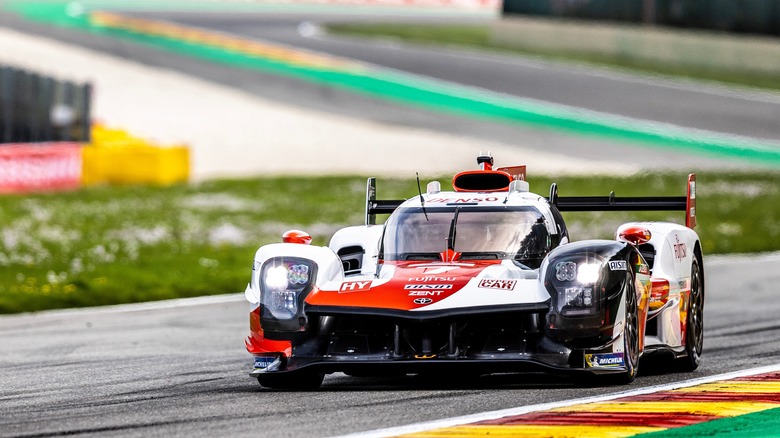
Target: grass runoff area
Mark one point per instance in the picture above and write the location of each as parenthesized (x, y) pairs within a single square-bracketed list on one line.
[(110, 245), (479, 36)]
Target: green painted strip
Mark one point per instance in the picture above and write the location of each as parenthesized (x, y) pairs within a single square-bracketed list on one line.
[(28, 6), (451, 98), (756, 425)]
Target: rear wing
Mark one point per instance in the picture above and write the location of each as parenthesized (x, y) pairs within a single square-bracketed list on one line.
[(374, 206), (645, 203), (573, 203)]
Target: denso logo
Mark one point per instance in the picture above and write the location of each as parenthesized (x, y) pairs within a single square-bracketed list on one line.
[(428, 279), (497, 284), (680, 250), (463, 200), (428, 286), (355, 286)]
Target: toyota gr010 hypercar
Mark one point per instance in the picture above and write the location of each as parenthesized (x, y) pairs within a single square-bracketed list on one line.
[(482, 279)]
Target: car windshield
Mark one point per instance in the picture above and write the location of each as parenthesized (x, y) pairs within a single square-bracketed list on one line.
[(480, 233)]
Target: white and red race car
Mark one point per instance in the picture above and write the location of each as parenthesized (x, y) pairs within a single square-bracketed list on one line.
[(483, 279)]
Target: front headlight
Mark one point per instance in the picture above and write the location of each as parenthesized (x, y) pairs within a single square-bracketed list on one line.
[(588, 273), (576, 283), (283, 284)]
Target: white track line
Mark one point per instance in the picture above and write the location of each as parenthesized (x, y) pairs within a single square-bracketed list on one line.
[(138, 307), (467, 419)]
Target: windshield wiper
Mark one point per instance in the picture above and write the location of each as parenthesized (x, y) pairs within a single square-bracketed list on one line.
[(422, 200), (451, 234)]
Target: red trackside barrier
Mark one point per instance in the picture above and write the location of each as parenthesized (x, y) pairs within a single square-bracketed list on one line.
[(31, 167)]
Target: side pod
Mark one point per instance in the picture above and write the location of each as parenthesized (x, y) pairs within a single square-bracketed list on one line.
[(283, 274), (587, 282)]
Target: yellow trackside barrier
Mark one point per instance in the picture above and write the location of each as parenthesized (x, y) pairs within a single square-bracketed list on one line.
[(116, 157), (104, 136)]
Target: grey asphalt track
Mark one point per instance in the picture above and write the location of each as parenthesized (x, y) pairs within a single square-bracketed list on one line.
[(751, 114), (181, 370)]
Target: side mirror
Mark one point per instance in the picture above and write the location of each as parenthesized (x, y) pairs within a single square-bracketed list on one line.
[(296, 236), (636, 235)]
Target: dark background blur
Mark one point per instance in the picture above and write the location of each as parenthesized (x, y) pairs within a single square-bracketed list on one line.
[(743, 16), (39, 108)]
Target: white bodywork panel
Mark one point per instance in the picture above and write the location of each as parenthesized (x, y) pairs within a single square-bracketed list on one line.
[(329, 268), (365, 236), (674, 254)]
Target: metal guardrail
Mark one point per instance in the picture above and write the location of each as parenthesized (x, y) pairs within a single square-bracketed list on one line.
[(753, 16), (38, 108)]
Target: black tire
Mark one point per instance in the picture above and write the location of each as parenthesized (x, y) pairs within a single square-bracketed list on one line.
[(694, 331), (299, 381), (630, 335)]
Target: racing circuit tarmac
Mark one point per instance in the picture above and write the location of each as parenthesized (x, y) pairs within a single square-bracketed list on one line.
[(179, 368)]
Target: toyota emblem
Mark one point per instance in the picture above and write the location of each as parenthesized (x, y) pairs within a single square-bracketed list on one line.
[(423, 301)]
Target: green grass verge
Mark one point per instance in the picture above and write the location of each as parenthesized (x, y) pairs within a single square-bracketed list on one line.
[(110, 245), (479, 36), (760, 424)]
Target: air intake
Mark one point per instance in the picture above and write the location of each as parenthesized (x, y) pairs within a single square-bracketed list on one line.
[(481, 181)]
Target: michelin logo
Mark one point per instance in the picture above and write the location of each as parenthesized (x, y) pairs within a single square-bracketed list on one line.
[(262, 363), (608, 360)]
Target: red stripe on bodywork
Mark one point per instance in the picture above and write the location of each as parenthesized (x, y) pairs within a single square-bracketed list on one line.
[(394, 295), (256, 343)]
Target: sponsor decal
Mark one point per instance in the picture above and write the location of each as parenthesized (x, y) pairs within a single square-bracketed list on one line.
[(428, 279), (422, 301), (439, 270), (425, 293), (428, 286), (462, 200), (680, 250), (425, 356), (643, 269), (618, 265), (606, 360), (355, 286), (489, 283), (263, 362)]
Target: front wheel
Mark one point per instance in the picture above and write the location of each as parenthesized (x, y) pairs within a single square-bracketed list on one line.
[(630, 335), (694, 320)]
